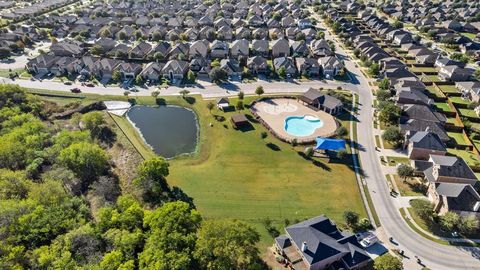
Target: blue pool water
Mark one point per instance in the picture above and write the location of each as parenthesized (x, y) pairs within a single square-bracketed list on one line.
[(302, 126)]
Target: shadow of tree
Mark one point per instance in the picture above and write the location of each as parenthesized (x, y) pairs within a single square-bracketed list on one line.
[(273, 146)]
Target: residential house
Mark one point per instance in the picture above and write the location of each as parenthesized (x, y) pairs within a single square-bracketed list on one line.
[(455, 197), (219, 49), (67, 48), (104, 68), (129, 70), (152, 72), (330, 65), (299, 49), (240, 48), (317, 243), (260, 48), (470, 89), (199, 49), (287, 64), (232, 68), (280, 48), (308, 66), (320, 48), (257, 65), (454, 73), (41, 64), (140, 51), (175, 70), (422, 144)]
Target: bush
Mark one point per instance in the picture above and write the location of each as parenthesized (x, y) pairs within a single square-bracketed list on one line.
[(392, 135), (405, 171), (423, 208), (263, 135), (350, 218), (341, 131)]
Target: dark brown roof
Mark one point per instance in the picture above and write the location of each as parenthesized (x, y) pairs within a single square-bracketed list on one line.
[(239, 119)]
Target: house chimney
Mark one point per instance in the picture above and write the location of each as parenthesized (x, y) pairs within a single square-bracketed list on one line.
[(304, 246)]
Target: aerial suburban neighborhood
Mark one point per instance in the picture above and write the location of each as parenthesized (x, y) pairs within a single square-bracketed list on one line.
[(239, 134)]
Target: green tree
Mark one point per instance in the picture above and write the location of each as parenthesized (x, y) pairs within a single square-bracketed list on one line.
[(191, 76), (423, 208), (374, 69), (116, 76), (476, 74), (388, 262), (86, 160), (392, 135), (226, 244), (450, 221), (390, 113), (384, 84), (282, 72), (210, 106), (151, 179), (240, 104), (217, 75), (350, 218), (139, 80), (241, 95), (171, 239), (259, 90), (383, 95), (13, 185), (92, 121), (468, 225), (341, 131), (405, 171), (184, 93)]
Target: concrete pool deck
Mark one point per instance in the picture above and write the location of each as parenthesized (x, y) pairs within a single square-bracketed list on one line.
[(274, 111)]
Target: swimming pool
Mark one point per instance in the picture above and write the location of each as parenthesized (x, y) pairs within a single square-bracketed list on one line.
[(302, 126)]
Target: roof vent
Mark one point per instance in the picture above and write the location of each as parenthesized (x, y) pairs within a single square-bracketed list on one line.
[(304, 246)]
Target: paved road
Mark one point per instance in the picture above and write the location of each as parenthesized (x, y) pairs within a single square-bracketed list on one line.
[(433, 255)]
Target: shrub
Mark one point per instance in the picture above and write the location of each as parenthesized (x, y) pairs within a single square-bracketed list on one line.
[(350, 218)]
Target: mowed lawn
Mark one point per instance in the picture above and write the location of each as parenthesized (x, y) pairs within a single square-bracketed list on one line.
[(242, 176)]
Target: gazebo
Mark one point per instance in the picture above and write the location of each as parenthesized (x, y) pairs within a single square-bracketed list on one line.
[(239, 120)]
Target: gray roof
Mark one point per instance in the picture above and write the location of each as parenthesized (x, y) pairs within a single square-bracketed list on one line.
[(427, 140), (324, 240), (421, 125), (422, 112), (452, 166)]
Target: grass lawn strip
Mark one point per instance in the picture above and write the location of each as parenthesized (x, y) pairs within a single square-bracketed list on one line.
[(394, 161), (406, 187)]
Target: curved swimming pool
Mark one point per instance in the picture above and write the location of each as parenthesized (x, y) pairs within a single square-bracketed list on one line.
[(302, 126)]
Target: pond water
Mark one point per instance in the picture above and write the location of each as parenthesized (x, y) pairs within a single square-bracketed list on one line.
[(169, 130)]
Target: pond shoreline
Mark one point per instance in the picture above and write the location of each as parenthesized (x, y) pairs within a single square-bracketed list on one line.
[(141, 134)]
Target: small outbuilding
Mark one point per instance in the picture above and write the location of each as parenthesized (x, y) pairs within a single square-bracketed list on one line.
[(223, 103), (320, 101), (239, 120)]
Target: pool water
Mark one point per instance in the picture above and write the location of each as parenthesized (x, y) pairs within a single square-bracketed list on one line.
[(302, 126), (169, 130)]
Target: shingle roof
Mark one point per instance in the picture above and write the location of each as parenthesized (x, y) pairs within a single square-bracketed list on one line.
[(427, 140)]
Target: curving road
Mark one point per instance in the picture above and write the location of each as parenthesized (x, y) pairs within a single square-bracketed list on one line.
[(433, 255)]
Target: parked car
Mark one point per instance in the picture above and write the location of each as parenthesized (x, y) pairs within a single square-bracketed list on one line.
[(369, 241), (68, 83), (75, 90), (89, 84)]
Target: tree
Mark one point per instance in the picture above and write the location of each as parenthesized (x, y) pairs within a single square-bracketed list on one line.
[(240, 105), (227, 244), (468, 225), (151, 179), (191, 76), (423, 208), (350, 218), (341, 131), (383, 95), (259, 90), (392, 135), (86, 160), (173, 227), (184, 93), (476, 74), (374, 69), (217, 75), (460, 57), (450, 221), (388, 262), (241, 95), (210, 106), (397, 24), (139, 80), (92, 121), (384, 84), (155, 94), (405, 171), (116, 75), (122, 35), (282, 72), (5, 52), (97, 50), (390, 113)]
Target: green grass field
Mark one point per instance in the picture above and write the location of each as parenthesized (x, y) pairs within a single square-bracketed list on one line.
[(239, 175), (448, 88), (458, 137)]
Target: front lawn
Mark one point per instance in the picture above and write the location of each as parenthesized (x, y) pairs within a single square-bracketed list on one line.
[(470, 158), (409, 187), (394, 161), (460, 100)]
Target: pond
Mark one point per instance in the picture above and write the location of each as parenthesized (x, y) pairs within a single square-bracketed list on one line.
[(169, 130)]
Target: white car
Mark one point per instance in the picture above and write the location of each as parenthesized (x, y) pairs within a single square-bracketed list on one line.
[(369, 241)]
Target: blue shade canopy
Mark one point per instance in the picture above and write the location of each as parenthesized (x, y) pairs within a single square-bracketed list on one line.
[(330, 144)]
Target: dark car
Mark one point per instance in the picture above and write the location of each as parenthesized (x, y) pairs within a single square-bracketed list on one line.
[(89, 84), (68, 83), (75, 90)]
